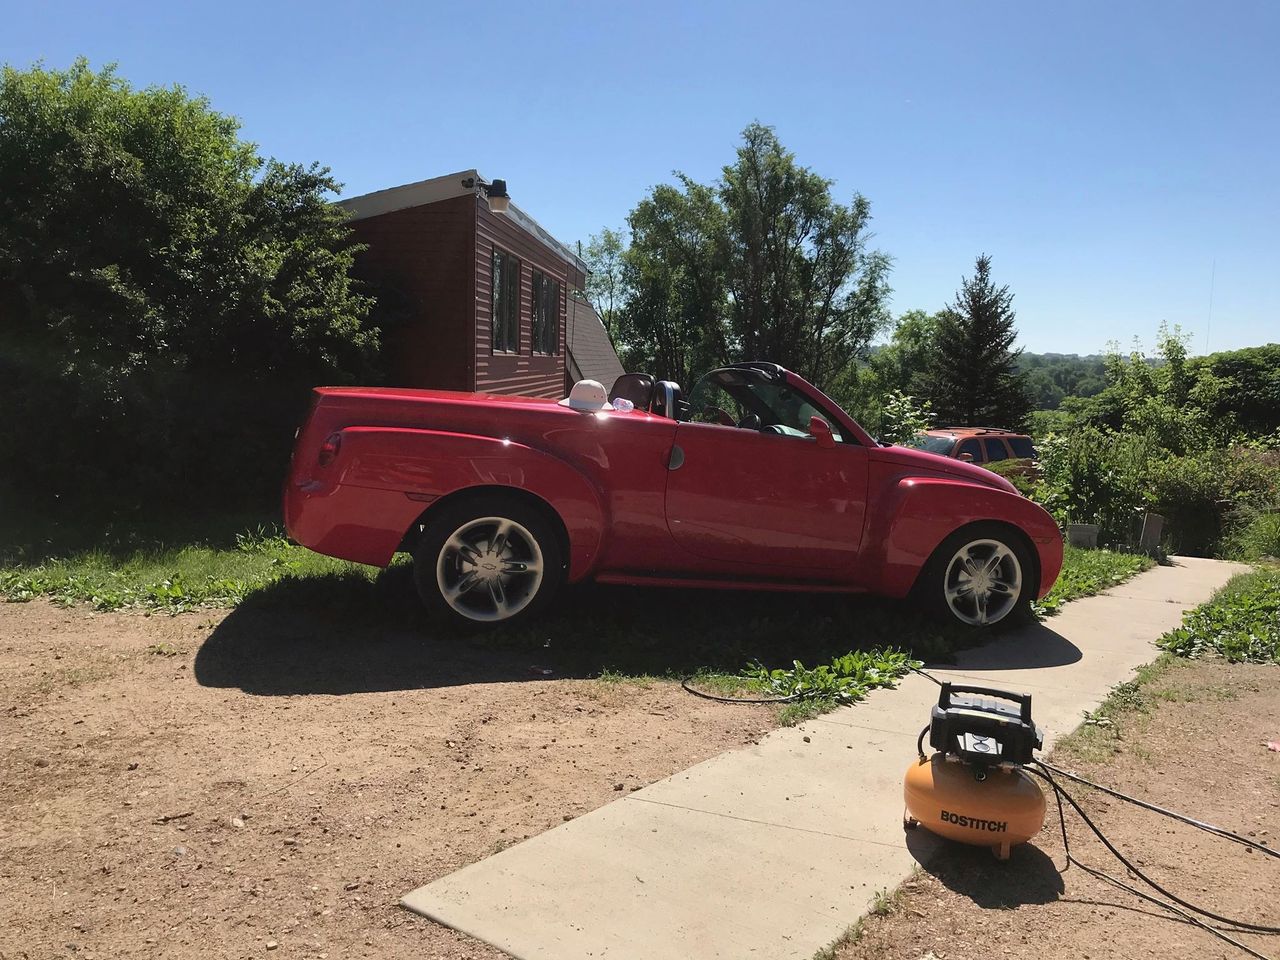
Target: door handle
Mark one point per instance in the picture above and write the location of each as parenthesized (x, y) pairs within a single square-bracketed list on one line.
[(676, 460)]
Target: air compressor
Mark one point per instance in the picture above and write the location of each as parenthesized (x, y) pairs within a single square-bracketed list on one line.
[(974, 789)]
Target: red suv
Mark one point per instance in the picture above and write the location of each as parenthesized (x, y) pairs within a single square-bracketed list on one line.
[(978, 444)]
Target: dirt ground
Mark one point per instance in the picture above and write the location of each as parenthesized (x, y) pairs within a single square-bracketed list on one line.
[(259, 784), (1196, 745)]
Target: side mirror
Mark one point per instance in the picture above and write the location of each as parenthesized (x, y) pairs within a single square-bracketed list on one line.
[(820, 430), (966, 457)]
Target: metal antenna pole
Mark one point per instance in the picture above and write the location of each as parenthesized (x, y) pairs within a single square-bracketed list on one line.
[(1213, 276)]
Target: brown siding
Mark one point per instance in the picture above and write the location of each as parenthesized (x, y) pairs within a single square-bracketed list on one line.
[(421, 259), (525, 373)]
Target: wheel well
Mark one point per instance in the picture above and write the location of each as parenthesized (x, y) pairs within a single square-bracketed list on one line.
[(1016, 534), (410, 538)]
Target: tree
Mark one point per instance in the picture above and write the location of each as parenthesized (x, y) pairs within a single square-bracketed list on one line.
[(603, 255), (673, 322), (162, 289), (762, 264), (899, 366), (973, 372), (805, 289)]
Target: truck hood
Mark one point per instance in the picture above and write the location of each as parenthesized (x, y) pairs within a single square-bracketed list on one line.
[(922, 463)]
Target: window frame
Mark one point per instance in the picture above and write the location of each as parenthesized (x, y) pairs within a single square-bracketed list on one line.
[(976, 442), (544, 311), (504, 302)]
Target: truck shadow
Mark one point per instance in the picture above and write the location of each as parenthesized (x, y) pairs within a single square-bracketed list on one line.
[(342, 634)]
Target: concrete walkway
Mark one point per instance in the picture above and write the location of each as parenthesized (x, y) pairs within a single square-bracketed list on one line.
[(771, 851)]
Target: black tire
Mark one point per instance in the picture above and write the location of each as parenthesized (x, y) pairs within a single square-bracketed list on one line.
[(442, 569), (946, 570)]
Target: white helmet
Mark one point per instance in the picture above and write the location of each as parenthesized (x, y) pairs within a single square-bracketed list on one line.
[(587, 395)]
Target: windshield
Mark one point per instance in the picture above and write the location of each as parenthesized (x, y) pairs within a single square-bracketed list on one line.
[(735, 398), (940, 445)]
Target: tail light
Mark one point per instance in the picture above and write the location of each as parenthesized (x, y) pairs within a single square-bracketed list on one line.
[(329, 449)]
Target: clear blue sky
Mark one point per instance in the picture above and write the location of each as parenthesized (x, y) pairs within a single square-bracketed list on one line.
[(1105, 155)]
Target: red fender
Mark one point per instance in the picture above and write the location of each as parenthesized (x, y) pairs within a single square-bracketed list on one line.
[(385, 477), (918, 513)]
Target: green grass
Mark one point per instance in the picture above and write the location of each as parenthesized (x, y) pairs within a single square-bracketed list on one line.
[(212, 573), (1086, 572), (1241, 623)]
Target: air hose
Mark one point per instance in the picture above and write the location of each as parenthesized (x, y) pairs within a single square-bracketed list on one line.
[(1181, 908), (711, 696)]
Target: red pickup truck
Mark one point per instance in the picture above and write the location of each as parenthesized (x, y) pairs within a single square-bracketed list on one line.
[(756, 480)]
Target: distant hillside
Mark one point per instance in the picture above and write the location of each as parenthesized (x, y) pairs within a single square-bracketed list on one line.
[(1052, 376)]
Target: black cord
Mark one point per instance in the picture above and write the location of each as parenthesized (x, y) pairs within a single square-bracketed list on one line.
[(1173, 814), (1061, 794), (711, 696), (920, 741), (1181, 914), (927, 676)]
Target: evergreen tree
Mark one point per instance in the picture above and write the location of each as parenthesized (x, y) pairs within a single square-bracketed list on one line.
[(973, 368)]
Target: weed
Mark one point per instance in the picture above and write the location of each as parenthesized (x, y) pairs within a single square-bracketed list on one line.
[(1241, 623), (852, 934), (89, 672), (846, 679), (884, 902), (611, 676), (1103, 731)]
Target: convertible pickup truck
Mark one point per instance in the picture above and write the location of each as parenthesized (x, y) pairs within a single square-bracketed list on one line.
[(756, 480)]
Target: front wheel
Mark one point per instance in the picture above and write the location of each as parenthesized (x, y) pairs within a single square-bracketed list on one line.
[(485, 562), (979, 577)]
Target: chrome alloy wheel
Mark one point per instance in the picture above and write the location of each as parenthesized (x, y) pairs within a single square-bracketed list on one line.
[(983, 582), (489, 569)]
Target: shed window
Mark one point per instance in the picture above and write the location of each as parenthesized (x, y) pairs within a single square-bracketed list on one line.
[(506, 302), (546, 313)]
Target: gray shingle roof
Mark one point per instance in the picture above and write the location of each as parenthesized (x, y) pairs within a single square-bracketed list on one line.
[(591, 354)]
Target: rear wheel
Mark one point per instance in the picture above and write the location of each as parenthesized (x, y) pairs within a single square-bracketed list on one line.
[(487, 561), (979, 577)]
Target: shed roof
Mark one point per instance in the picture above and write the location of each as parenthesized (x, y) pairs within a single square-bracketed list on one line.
[(591, 353), (446, 187)]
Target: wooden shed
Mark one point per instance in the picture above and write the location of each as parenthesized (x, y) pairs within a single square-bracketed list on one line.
[(482, 298)]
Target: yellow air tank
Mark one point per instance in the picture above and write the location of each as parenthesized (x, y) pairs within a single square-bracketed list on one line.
[(1003, 809)]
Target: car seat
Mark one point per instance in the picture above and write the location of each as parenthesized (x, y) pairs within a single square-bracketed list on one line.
[(636, 387)]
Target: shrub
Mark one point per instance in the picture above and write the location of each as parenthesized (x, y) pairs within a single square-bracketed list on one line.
[(1043, 423), (1196, 494), (1254, 535), (1016, 472), (167, 296), (1096, 476), (904, 418)]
